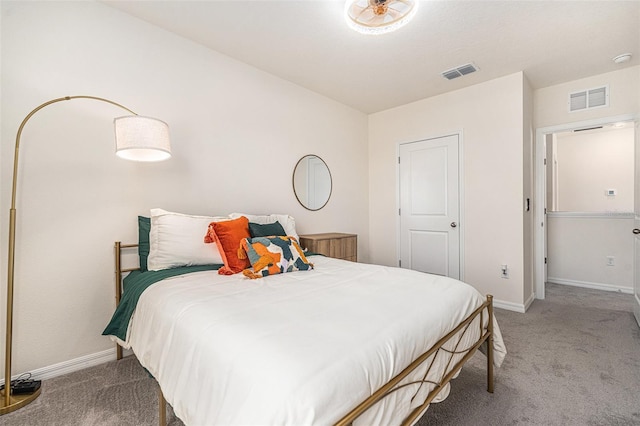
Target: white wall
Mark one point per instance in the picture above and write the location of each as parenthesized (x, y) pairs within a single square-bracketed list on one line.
[(550, 103), (578, 247), (237, 134), (551, 111), (490, 115), (588, 164)]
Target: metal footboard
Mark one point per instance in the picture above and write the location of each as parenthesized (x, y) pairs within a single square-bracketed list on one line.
[(452, 368), (456, 358)]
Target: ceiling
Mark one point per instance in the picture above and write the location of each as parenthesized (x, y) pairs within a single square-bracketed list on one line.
[(307, 42)]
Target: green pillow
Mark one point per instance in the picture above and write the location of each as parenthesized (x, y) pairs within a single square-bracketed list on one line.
[(144, 227), (266, 230)]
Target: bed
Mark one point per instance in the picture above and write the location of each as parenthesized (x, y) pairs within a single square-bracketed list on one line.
[(341, 343)]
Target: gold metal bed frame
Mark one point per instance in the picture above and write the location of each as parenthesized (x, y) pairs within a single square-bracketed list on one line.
[(450, 371)]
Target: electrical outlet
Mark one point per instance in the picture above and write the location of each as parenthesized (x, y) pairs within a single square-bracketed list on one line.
[(611, 261), (504, 271)]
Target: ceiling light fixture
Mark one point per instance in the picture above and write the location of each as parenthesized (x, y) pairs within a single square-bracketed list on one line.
[(625, 57), (379, 16)]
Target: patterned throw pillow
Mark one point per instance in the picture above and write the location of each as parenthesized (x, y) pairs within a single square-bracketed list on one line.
[(273, 255)]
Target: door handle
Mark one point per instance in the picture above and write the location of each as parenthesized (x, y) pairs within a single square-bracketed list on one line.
[(636, 231), (453, 225)]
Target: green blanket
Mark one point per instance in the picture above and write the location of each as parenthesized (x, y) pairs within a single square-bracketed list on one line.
[(134, 285)]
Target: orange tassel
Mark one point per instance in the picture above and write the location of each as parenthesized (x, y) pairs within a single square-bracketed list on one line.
[(241, 253), (249, 274), (210, 237)]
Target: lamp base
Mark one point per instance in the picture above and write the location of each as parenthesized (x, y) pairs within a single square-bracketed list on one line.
[(17, 401)]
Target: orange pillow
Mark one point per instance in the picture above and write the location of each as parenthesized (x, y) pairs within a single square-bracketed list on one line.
[(228, 236)]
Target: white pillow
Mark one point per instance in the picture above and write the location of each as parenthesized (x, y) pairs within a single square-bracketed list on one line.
[(288, 223), (177, 239)]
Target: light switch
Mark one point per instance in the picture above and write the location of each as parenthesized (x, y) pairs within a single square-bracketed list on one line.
[(611, 192)]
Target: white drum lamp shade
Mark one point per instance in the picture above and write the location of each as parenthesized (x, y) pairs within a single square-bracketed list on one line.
[(142, 138)]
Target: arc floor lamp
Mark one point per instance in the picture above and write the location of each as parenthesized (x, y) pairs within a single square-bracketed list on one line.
[(137, 138)]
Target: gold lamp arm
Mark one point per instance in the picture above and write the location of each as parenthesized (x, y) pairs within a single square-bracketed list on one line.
[(7, 405), (38, 108)]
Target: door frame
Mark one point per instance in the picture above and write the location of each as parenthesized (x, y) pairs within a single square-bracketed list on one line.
[(636, 223), (540, 194), (461, 218)]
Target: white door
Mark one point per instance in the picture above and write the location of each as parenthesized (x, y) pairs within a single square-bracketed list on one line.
[(429, 206), (636, 231)]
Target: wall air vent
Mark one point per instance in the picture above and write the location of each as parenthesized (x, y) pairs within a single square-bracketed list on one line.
[(590, 98), (459, 71)]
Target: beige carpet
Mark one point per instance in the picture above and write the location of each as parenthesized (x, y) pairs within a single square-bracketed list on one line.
[(574, 359)]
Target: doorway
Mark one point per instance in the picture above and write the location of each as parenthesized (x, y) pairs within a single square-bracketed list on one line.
[(555, 212), (429, 194)]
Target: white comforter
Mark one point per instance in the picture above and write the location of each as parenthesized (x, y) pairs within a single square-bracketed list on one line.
[(297, 348)]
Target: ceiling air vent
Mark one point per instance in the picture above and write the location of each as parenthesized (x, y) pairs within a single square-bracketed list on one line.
[(459, 71), (590, 98)]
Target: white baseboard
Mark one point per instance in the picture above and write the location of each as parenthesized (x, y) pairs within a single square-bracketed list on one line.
[(529, 301), (595, 286), (510, 306), (70, 366)]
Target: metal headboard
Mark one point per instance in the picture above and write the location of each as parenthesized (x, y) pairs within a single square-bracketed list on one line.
[(119, 271)]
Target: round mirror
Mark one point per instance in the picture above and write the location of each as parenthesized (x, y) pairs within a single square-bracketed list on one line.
[(312, 182)]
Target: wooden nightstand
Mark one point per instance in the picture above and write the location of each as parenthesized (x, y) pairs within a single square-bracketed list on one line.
[(332, 244)]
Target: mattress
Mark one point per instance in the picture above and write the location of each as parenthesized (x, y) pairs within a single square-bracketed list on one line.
[(298, 348)]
